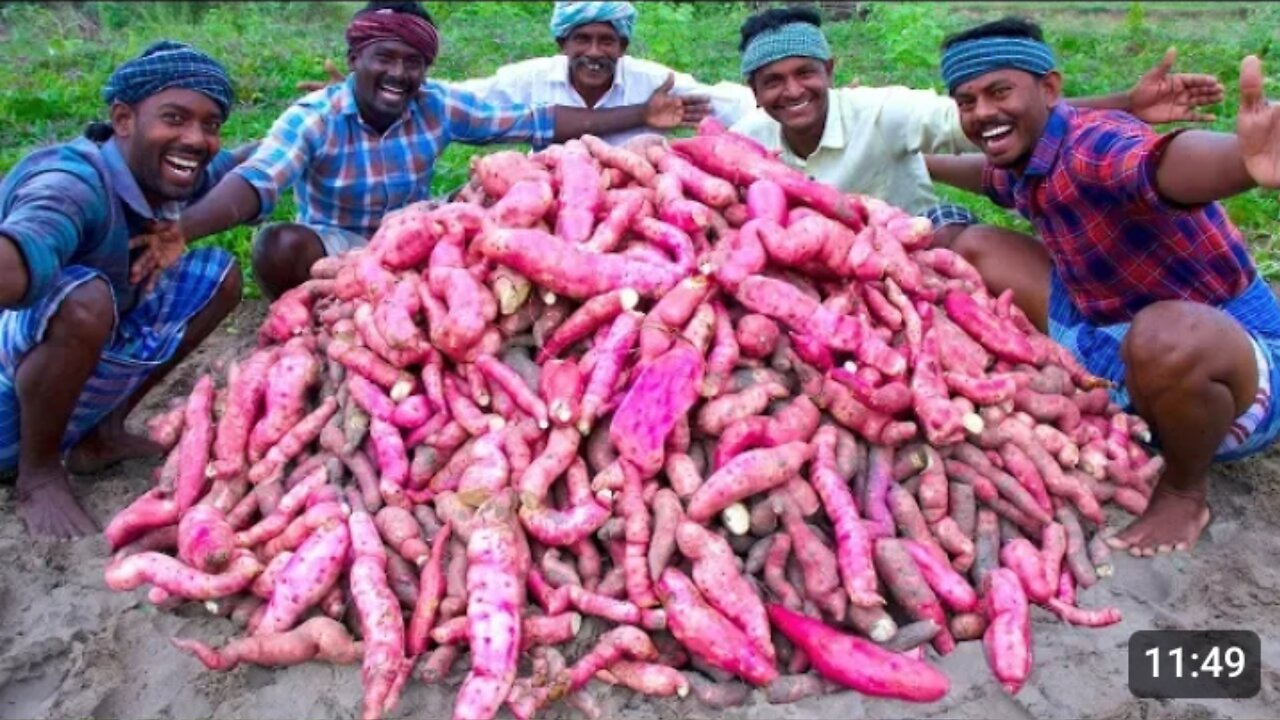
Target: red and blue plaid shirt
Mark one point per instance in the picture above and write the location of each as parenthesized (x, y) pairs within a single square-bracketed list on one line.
[(1089, 190)]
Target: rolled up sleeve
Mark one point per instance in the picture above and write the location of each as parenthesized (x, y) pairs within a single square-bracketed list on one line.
[(47, 218), (282, 157)]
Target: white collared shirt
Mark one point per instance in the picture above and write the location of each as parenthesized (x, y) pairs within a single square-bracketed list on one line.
[(546, 80), (874, 142)]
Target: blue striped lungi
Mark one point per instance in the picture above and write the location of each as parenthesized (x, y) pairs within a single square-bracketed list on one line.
[(141, 341), (1097, 347)]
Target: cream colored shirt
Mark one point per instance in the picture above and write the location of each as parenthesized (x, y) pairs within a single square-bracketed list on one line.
[(546, 80), (874, 142)]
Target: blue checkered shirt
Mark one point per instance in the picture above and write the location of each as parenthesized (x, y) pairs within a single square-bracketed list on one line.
[(347, 175)]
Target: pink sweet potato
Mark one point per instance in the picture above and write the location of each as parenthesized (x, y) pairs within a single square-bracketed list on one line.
[(708, 634), (858, 664), (749, 473)]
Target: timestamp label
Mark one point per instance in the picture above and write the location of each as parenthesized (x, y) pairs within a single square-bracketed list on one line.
[(1195, 664)]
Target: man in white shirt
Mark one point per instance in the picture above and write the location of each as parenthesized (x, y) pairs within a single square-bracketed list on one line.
[(594, 71), (873, 140)]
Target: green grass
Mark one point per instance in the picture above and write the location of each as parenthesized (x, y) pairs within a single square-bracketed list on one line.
[(59, 54)]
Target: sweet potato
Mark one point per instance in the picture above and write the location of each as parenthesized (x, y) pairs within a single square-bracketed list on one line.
[(318, 638), (708, 634), (858, 664), (749, 473)]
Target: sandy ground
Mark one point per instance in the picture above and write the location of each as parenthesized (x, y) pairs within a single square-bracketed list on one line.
[(71, 648)]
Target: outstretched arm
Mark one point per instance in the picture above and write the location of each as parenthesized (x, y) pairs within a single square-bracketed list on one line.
[(1199, 166), (662, 111), (961, 171)]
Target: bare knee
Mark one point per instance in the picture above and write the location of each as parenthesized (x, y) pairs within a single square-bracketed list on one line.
[(1184, 344), (86, 316), (282, 258)]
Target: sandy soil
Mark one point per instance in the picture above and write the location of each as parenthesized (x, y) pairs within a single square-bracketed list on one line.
[(71, 648)]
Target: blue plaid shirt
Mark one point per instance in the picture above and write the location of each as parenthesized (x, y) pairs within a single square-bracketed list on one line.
[(347, 175), (77, 203)]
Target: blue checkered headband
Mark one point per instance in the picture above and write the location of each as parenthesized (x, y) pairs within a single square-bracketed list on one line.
[(569, 15), (797, 39), (168, 64), (967, 60)]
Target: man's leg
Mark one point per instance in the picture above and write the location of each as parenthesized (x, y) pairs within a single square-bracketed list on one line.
[(108, 443), (48, 382), (282, 257), (1191, 372), (1008, 260)]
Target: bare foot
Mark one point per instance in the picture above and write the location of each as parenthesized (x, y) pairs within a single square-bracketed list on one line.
[(108, 444), (1173, 521), (48, 507)]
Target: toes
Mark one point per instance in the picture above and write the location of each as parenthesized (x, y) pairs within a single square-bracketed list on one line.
[(1117, 543), (1179, 547), (1164, 549)]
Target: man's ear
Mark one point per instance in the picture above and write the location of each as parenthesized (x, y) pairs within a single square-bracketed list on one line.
[(351, 60), (1052, 86), (624, 43), (123, 118), (830, 65)]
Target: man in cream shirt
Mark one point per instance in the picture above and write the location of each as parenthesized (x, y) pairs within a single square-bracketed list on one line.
[(594, 71), (874, 140)]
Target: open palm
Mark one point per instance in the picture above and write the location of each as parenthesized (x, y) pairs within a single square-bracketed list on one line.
[(1163, 96), (1258, 127)]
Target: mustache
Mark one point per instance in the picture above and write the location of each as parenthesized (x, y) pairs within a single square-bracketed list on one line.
[(582, 61)]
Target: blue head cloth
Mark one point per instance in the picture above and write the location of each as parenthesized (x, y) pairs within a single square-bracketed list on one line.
[(169, 64), (569, 15), (967, 60), (797, 39)]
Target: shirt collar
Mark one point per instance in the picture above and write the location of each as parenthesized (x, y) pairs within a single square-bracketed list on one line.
[(833, 133), (123, 181), (1050, 143)]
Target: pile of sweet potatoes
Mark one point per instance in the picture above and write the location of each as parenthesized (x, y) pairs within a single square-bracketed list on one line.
[(668, 416)]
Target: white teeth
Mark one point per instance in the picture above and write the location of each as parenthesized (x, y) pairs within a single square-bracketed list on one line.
[(181, 164), (996, 131), (797, 106)]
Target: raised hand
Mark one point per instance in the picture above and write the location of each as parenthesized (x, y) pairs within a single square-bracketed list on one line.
[(1163, 96), (664, 110), (1258, 127), (164, 243)]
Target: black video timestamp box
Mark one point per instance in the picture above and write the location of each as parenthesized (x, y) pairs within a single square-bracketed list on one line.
[(1195, 664)]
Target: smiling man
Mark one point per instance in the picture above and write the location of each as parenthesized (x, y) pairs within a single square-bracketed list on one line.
[(80, 343), (593, 70), (358, 150), (1137, 269), (873, 140)]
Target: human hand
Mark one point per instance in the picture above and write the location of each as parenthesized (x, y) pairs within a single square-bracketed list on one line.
[(1162, 96), (1258, 127), (664, 111), (164, 243)]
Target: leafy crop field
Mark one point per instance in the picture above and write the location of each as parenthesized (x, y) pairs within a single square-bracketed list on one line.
[(57, 56)]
